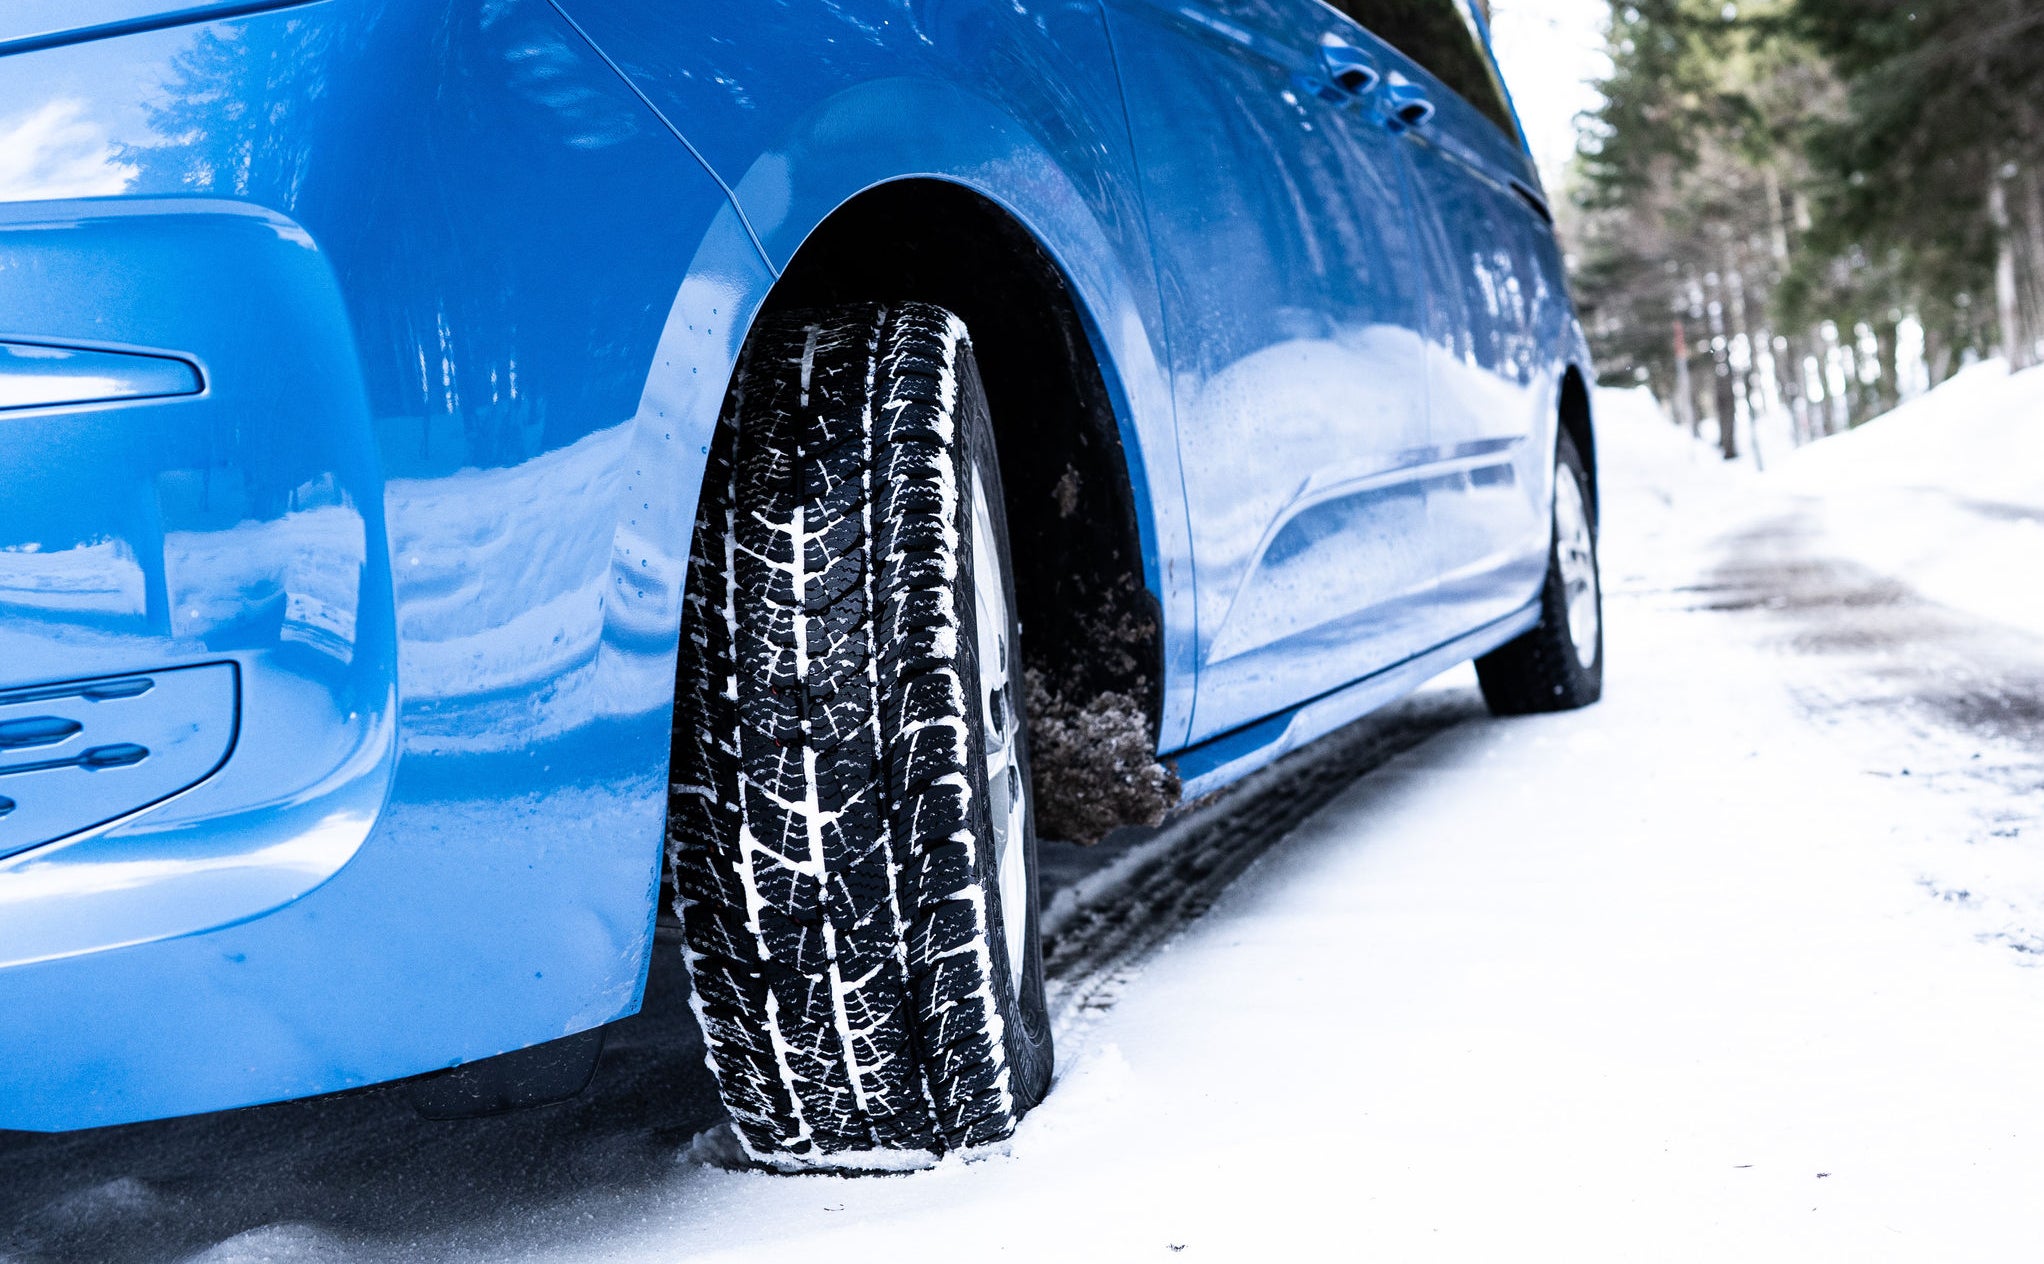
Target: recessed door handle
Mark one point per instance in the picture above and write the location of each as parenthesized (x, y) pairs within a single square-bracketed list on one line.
[(36, 375), (1406, 105), (1349, 67)]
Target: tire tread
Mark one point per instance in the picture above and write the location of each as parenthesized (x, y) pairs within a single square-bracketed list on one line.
[(823, 827)]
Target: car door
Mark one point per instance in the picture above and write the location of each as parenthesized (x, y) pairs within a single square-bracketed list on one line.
[(1495, 297), (1291, 285)]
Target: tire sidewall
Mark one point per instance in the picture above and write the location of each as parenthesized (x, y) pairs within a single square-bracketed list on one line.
[(1025, 1012), (1568, 463)]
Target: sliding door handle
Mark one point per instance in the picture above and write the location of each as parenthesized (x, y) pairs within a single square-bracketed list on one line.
[(1407, 105), (1349, 67)]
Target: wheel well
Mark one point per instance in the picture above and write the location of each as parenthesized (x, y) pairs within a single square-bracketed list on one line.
[(1575, 421), (1092, 631)]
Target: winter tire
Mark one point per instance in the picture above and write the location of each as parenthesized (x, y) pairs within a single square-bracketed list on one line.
[(851, 833), (1559, 665)]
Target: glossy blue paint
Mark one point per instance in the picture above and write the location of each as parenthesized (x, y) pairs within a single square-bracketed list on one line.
[(1499, 310), (1218, 761), (1293, 314), (459, 287)]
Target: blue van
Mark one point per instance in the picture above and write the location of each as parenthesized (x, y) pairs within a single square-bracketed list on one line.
[(480, 474)]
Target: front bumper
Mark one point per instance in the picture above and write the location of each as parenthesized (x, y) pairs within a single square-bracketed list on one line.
[(414, 523)]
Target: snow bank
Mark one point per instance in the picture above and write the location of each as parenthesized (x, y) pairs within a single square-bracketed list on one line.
[(1946, 493)]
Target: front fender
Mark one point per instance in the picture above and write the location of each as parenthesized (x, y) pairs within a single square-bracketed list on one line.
[(463, 312)]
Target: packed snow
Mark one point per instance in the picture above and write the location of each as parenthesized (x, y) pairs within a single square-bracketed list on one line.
[(1740, 964)]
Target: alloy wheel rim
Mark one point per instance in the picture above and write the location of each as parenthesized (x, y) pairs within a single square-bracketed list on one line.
[(1009, 806), (1575, 547)]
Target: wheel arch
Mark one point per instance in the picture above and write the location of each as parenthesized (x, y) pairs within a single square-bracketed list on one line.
[(1080, 521)]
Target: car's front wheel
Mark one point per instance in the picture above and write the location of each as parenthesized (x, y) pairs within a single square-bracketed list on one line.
[(851, 832)]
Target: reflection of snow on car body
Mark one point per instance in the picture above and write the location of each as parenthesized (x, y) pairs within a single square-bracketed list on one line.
[(400, 412)]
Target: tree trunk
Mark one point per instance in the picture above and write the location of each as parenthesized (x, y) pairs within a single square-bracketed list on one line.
[(2032, 238), (1887, 343), (2020, 349), (1838, 358), (1788, 377), (1738, 335), (2029, 211), (1866, 396), (1728, 408), (1685, 391), (1777, 220), (1937, 356)]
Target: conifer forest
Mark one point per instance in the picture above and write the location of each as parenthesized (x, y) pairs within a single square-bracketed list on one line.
[(1811, 210)]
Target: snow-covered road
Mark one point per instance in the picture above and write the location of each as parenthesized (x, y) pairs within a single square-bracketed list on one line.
[(1742, 964)]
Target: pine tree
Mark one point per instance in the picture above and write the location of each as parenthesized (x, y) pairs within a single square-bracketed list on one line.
[(1936, 164), (1775, 190)]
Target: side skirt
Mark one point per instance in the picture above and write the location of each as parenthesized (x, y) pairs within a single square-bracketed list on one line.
[(1217, 761)]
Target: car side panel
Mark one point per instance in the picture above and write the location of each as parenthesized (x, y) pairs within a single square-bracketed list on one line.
[(1496, 332), (1496, 380), (1531, 339), (1291, 283), (465, 310)]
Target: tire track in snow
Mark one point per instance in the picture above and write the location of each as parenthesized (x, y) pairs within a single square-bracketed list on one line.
[(1968, 695), (1915, 690), (1106, 923)]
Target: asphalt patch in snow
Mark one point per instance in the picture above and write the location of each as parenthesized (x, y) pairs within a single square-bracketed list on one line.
[(1904, 651), (1884, 670)]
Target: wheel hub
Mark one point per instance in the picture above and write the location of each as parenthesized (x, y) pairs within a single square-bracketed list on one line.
[(1575, 547)]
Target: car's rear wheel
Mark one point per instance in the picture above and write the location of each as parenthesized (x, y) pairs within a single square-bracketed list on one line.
[(851, 832), (1559, 665)]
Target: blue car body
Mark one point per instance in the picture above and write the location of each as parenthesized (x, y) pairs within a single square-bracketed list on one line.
[(360, 364)]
